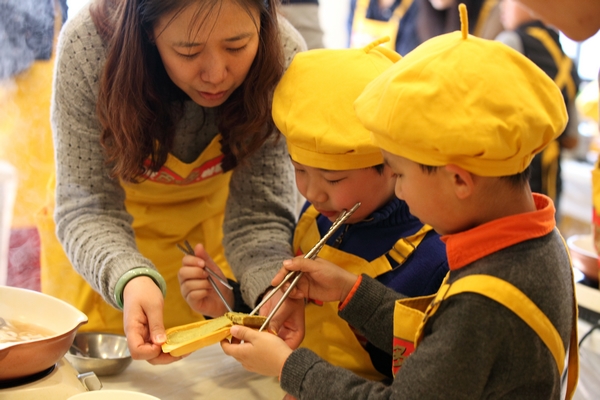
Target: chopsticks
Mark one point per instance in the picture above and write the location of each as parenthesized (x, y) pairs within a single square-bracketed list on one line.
[(190, 251), (312, 254)]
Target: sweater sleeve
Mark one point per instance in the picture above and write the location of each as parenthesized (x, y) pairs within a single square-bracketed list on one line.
[(261, 207), (91, 220)]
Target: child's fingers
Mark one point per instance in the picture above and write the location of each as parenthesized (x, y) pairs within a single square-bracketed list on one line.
[(207, 260), (243, 333)]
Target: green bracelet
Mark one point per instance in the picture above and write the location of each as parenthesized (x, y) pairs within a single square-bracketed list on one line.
[(134, 273)]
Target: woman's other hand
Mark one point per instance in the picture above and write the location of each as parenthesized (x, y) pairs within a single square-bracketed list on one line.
[(195, 287), (143, 305)]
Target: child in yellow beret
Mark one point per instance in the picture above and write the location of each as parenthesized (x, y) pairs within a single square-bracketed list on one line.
[(503, 321), (336, 166)]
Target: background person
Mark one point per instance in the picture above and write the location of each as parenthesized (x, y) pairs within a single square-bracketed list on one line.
[(541, 44)]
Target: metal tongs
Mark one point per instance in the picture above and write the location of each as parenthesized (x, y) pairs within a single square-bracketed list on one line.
[(190, 251), (312, 254)]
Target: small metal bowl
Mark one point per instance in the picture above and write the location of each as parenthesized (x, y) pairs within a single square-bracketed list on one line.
[(101, 353)]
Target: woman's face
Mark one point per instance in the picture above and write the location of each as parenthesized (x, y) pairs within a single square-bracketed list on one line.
[(209, 55)]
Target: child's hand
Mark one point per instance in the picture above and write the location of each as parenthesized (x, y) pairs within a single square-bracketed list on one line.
[(321, 280), (195, 287), (288, 321), (260, 352)]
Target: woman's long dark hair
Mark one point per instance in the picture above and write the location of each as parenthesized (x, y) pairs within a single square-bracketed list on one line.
[(138, 104)]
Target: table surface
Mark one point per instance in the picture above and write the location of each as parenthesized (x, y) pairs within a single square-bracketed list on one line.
[(205, 374), (209, 374)]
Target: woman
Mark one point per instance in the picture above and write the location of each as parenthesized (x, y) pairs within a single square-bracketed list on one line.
[(162, 131)]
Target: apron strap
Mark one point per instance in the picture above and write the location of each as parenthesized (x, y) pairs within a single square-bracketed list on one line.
[(405, 246), (563, 62), (484, 13), (515, 300)]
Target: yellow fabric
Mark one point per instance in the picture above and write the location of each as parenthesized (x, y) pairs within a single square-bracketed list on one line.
[(550, 161), (405, 246), (327, 334), (26, 135), (516, 301), (313, 106), (484, 13), (596, 187), (587, 101), (408, 315), (483, 106), (563, 78), (182, 201), (365, 30)]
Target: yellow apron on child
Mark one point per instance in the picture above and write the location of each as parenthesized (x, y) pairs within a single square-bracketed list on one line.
[(327, 334), (179, 202), (411, 315)]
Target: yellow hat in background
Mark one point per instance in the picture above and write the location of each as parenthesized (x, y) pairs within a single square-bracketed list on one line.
[(458, 99), (313, 106)]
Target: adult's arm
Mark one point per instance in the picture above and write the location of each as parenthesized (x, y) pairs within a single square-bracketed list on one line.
[(92, 222), (261, 208)]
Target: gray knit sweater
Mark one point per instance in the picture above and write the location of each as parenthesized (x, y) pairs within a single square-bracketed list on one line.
[(473, 347), (92, 222)]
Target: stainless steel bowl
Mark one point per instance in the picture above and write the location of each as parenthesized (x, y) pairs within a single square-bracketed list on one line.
[(102, 353)]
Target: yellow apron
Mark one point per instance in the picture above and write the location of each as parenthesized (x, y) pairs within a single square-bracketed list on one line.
[(181, 201), (563, 79), (411, 315), (327, 334)]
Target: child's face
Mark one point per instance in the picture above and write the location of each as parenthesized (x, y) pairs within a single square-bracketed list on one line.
[(332, 192), (426, 194)]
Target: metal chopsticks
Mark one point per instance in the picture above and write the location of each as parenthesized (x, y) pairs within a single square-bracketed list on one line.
[(312, 254), (190, 251)]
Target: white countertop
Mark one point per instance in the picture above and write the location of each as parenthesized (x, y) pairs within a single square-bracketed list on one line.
[(205, 374)]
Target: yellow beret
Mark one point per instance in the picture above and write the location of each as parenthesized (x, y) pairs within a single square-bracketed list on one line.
[(458, 99), (313, 106)]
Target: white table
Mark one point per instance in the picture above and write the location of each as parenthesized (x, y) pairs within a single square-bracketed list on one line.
[(205, 374)]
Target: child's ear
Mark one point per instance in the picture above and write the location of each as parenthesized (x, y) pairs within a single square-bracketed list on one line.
[(462, 180)]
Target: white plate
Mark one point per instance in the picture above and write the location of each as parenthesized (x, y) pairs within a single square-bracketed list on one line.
[(112, 395)]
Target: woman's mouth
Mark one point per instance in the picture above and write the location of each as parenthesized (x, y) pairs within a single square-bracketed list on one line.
[(213, 96)]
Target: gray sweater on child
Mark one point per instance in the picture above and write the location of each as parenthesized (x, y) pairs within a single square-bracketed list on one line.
[(92, 222), (473, 347)]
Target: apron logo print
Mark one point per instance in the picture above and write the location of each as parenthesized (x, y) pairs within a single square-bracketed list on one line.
[(401, 350), (167, 176)]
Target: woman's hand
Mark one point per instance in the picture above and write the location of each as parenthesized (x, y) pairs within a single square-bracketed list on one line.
[(260, 352), (143, 305), (321, 280), (195, 287)]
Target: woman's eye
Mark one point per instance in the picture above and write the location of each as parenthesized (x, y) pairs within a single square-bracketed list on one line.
[(236, 49), (187, 56), (334, 181)]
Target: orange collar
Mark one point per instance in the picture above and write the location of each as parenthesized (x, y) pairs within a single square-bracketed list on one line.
[(466, 247)]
